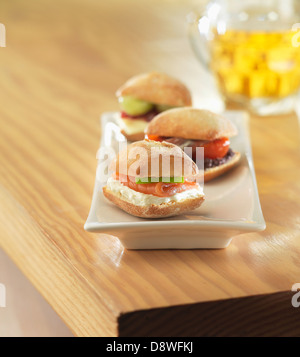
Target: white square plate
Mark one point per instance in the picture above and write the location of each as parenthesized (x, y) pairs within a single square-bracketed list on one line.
[(231, 204)]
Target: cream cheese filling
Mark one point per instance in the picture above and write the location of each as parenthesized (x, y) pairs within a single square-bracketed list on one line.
[(142, 199), (132, 126)]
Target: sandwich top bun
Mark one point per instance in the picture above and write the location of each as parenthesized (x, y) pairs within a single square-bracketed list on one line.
[(148, 158), (191, 123), (158, 88)]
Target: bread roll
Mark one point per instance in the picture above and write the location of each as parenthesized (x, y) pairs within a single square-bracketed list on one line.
[(157, 88), (191, 123)]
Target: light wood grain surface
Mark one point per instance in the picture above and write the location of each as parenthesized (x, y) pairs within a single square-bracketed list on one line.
[(59, 72)]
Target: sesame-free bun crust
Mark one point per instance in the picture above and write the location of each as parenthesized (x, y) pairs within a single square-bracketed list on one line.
[(157, 88), (191, 123), (154, 211), (148, 158), (210, 174)]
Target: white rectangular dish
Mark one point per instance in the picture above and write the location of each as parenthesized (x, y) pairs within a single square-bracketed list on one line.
[(231, 204)]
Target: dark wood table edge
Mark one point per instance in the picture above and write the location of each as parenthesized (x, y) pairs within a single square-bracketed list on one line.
[(267, 315)]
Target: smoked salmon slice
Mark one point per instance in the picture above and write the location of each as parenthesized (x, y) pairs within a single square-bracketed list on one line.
[(160, 189)]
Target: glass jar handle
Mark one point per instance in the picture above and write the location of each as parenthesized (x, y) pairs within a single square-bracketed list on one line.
[(198, 32)]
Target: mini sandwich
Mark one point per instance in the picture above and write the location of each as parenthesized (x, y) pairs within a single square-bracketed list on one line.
[(154, 180), (191, 127), (144, 96)]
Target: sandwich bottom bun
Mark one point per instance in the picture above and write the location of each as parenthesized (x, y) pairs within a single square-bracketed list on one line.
[(133, 137), (162, 210), (216, 171), (132, 129)]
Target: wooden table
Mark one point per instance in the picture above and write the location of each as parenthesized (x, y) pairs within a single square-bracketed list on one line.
[(59, 72)]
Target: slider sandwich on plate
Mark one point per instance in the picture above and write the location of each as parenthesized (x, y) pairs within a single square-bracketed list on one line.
[(154, 179), (146, 95), (192, 127)]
